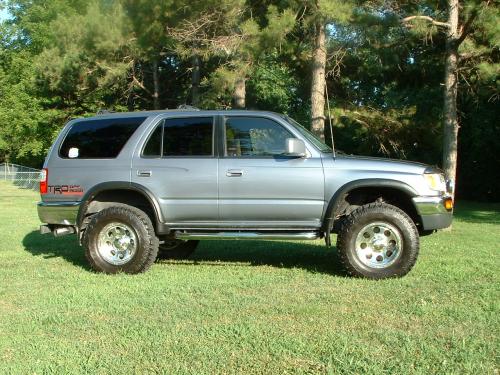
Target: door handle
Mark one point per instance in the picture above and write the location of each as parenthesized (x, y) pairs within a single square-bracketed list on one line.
[(234, 173), (144, 173)]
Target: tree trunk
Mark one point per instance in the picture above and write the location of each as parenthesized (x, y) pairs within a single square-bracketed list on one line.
[(156, 86), (318, 83), (239, 93), (195, 81), (450, 128)]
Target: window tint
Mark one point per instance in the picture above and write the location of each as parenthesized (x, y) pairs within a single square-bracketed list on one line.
[(102, 138), (254, 136), (188, 136), (153, 146)]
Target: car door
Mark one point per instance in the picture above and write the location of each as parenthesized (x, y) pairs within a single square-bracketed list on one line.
[(258, 185), (177, 163)]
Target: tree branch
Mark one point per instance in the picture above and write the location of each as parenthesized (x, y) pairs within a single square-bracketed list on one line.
[(466, 28), (426, 18), (473, 55), (136, 82)]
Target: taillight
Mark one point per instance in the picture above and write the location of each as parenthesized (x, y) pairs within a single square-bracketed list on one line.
[(44, 177)]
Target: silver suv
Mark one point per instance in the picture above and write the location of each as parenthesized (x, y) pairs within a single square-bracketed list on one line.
[(134, 186)]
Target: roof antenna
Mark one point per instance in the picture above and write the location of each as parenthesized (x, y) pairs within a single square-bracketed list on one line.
[(330, 119)]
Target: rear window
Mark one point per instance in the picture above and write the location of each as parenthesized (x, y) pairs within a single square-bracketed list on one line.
[(99, 139)]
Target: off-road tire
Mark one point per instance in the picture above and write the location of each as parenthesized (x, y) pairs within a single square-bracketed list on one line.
[(147, 246), (371, 213), (182, 251)]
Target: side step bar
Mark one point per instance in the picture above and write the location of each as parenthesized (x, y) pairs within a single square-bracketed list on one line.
[(246, 235)]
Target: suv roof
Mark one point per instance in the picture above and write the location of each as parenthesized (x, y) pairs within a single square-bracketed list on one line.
[(180, 112)]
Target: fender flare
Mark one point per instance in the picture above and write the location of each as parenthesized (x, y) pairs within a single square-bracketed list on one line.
[(118, 185), (342, 191)]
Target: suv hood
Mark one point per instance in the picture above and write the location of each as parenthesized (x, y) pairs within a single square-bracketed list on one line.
[(377, 164)]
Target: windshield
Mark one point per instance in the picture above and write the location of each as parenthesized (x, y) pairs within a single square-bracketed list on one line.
[(318, 143)]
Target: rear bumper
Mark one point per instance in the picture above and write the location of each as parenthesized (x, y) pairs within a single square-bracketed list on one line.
[(60, 213), (433, 212)]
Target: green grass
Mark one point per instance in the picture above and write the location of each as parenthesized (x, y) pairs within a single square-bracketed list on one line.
[(248, 307)]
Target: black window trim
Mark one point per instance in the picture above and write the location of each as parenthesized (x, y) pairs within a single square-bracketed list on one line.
[(78, 121), (224, 140), (160, 123)]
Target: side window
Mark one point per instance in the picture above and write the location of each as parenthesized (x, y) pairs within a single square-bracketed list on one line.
[(254, 136), (192, 136), (153, 145), (98, 139)]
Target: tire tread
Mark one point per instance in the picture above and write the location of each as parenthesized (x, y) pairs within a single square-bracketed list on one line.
[(346, 229), (148, 257)]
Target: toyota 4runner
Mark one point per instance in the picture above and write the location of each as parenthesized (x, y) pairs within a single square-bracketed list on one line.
[(134, 186)]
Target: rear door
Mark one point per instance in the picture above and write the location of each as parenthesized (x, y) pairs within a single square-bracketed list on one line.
[(258, 185), (178, 164)]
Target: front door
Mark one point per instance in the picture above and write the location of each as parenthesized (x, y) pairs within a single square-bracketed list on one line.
[(178, 165), (258, 185)]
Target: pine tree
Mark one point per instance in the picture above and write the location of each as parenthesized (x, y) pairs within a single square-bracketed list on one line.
[(227, 30), (319, 18), (459, 28)]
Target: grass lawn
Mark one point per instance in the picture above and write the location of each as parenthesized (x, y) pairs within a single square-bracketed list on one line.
[(248, 307)]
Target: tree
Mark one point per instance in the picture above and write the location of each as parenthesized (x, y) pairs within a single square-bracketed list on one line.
[(230, 32), (148, 19), (320, 17), (27, 126), (458, 28), (69, 58)]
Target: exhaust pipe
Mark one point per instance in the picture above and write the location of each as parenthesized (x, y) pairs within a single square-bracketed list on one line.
[(63, 231)]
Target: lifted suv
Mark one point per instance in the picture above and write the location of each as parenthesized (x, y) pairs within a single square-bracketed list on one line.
[(134, 186)]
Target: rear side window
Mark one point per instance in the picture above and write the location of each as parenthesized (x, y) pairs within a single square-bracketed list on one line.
[(192, 136), (99, 139), (153, 146)]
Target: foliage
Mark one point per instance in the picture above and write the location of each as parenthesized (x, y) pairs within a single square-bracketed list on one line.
[(65, 58), (273, 85)]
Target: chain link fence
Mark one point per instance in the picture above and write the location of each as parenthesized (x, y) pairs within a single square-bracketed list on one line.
[(19, 175)]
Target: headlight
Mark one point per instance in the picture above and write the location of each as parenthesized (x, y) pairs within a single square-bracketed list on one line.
[(435, 181)]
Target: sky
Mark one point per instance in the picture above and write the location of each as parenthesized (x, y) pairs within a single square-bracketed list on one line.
[(3, 14)]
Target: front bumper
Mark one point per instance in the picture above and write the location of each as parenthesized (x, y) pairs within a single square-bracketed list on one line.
[(433, 213), (59, 213)]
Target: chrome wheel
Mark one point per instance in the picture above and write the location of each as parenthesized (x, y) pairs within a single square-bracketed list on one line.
[(117, 243), (378, 245)]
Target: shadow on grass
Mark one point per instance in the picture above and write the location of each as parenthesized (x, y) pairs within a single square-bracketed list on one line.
[(49, 247), (281, 254), (478, 213)]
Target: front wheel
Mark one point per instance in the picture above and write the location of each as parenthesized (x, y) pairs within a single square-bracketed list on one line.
[(378, 241)]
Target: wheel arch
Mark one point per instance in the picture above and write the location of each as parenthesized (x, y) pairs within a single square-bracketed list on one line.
[(123, 192), (384, 186)]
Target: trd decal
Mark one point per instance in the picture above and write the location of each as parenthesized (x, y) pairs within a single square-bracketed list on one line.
[(65, 189)]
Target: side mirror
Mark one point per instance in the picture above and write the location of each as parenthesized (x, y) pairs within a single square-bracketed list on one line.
[(295, 147)]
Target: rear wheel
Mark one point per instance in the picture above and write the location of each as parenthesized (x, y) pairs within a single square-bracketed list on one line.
[(378, 241), (120, 239), (176, 249)]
